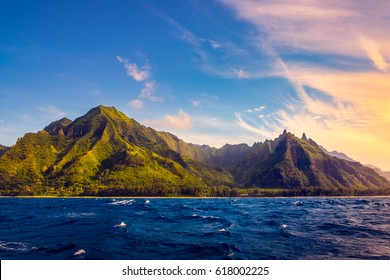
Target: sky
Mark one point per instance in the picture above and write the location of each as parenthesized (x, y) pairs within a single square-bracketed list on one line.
[(211, 72)]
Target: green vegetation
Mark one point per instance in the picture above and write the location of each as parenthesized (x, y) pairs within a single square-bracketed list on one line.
[(105, 153)]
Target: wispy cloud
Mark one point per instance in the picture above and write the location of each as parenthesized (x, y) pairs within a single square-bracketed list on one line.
[(215, 45), (148, 92), (142, 74), (138, 74), (181, 121), (241, 73), (136, 104), (52, 111), (211, 54), (257, 109), (374, 53), (196, 103), (321, 26)]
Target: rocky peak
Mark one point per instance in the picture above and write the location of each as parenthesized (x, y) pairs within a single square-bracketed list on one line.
[(57, 127)]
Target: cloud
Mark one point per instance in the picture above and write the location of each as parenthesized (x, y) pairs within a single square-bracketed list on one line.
[(136, 104), (52, 111), (211, 97), (184, 34), (240, 73), (196, 103), (133, 71), (181, 121), (148, 92), (141, 75), (374, 53), (258, 109), (215, 45), (326, 27), (211, 55)]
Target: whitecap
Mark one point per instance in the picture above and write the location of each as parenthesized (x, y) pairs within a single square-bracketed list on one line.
[(80, 215), (209, 217), (13, 246), (298, 203), (147, 201), (122, 224), (222, 230), (283, 226), (123, 202), (79, 252)]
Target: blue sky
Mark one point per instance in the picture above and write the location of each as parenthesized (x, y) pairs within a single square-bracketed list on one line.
[(211, 72)]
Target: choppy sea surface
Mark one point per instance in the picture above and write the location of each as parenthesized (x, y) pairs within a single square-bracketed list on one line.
[(226, 228)]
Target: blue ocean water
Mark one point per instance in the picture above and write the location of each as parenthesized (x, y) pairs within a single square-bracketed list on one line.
[(226, 228)]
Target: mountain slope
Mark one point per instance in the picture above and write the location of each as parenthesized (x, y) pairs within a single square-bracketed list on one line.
[(337, 154), (3, 149), (385, 174)]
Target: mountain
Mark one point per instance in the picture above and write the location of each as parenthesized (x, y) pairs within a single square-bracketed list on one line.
[(382, 173), (106, 153), (385, 174), (3, 149), (58, 127), (299, 163), (337, 154)]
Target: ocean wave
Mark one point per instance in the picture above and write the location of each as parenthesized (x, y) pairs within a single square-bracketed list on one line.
[(80, 215), (79, 252), (122, 224), (14, 246), (122, 202), (213, 218)]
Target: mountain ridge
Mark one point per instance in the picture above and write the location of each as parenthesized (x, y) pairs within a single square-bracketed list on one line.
[(104, 152)]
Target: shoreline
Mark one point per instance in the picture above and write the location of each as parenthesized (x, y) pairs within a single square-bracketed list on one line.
[(191, 197)]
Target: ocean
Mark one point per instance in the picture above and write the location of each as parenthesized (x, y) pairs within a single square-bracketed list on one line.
[(181, 228)]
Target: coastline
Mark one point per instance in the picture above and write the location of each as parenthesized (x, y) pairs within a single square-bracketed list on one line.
[(192, 197)]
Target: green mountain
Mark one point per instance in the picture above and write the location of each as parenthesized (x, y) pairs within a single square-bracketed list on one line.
[(106, 153), (301, 164)]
